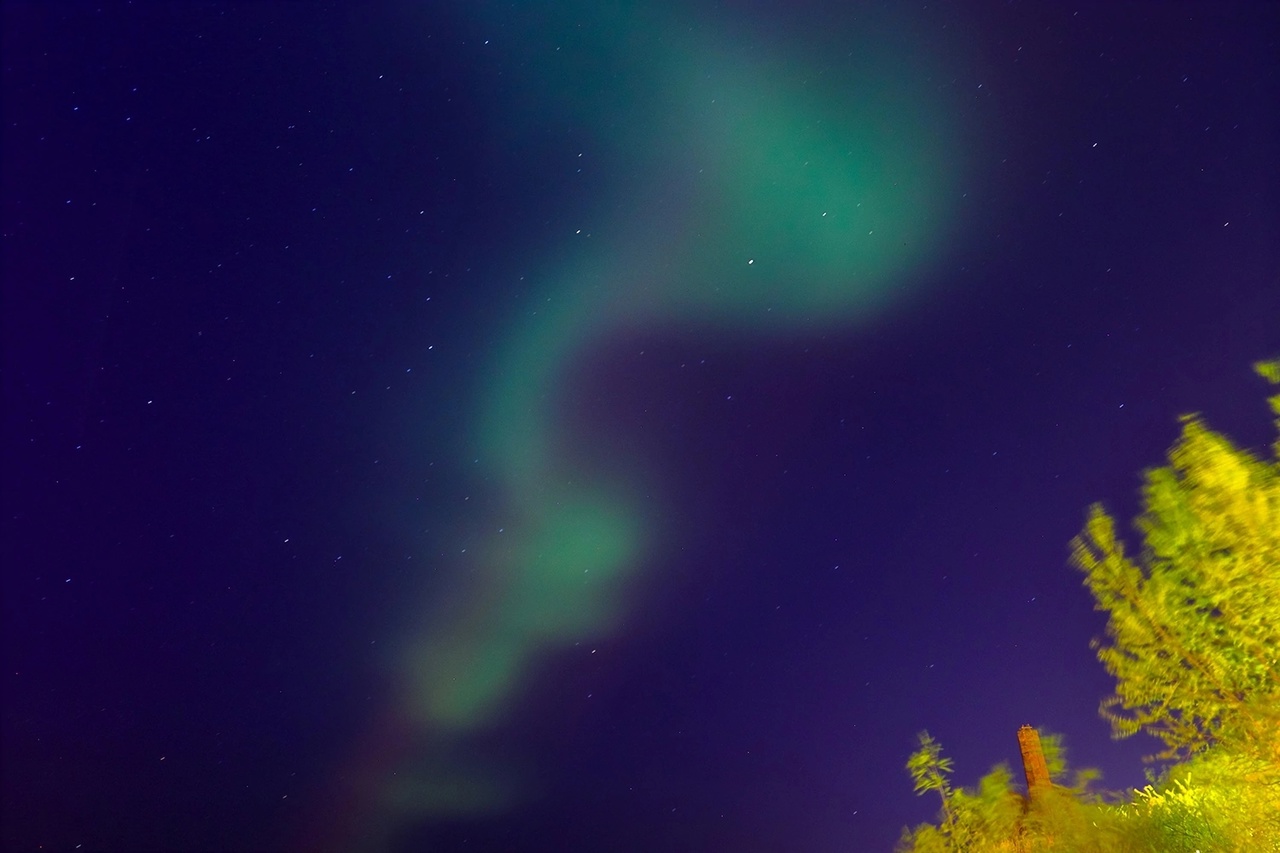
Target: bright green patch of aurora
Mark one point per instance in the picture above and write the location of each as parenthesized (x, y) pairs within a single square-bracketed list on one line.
[(764, 202), (817, 204), (557, 583)]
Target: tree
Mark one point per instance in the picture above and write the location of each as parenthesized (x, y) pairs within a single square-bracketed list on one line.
[(1193, 640), (993, 817), (931, 772), (1193, 634), (980, 819)]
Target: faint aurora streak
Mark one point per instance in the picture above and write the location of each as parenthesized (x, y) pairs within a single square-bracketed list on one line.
[(774, 193)]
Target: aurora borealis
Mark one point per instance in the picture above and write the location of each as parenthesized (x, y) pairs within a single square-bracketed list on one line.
[(763, 204), (577, 427)]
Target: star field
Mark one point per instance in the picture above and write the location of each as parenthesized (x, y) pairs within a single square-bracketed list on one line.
[(593, 426)]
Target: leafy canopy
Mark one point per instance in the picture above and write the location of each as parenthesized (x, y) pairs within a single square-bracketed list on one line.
[(1193, 640), (1193, 635)]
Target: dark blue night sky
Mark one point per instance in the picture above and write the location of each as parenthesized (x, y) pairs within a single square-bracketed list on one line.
[(590, 426)]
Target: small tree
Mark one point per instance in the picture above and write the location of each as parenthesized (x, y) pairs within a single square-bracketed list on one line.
[(993, 817), (1193, 634), (984, 819), (931, 772)]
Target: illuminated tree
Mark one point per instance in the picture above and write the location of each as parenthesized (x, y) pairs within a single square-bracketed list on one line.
[(979, 819), (1215, 802), (1193, 640), (1193, 635), (931, 772)]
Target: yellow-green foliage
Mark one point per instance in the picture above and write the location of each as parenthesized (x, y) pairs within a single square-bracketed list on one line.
[(993, 816), (929, 770), (1218, 801), (982, 818), (1193, 637), (1193, 640), (989, 814)]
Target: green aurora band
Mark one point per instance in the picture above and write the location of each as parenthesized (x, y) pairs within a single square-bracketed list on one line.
[(772, 194)]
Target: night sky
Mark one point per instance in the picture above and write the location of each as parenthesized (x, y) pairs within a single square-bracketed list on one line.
[(594, 426)]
